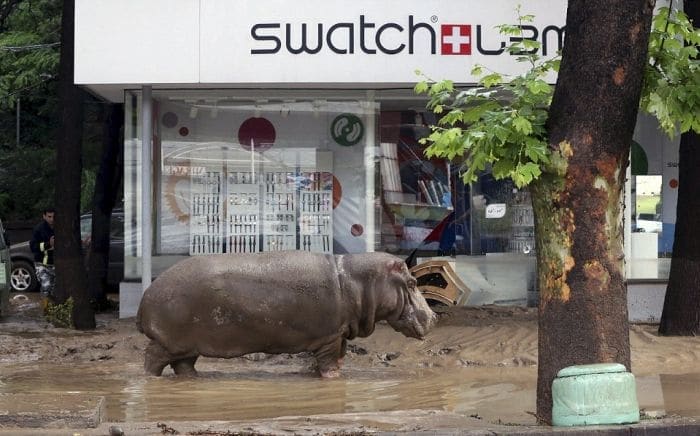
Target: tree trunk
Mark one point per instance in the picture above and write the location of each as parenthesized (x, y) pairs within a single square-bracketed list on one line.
[(578, 215), (107, 185), (70, 270), (681, 313)]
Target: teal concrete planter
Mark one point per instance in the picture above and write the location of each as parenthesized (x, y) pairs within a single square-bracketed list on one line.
[(601, 393)]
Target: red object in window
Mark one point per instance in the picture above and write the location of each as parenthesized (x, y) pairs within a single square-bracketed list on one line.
[(436, 234), (256, 131), (337, 192), (357, 230)]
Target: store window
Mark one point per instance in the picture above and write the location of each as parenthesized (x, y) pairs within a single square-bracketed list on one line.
[(648, 260), (485, 231), (328, 172), (235, 172), (132, 186), (653, 192)]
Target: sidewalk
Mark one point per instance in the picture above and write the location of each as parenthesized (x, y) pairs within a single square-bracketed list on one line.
[(380, 423)]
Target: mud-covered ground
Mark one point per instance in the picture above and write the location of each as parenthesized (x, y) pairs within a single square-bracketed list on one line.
[(478, 364)]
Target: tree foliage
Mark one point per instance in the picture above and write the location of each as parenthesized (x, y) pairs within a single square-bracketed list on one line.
[(29, 59), (502, 122), (672, 80), (29, 51), (28, 66)]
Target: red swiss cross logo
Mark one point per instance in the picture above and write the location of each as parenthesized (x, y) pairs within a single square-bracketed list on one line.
[(456, 39)]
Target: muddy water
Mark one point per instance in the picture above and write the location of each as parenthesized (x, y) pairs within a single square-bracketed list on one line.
[(221, 395)]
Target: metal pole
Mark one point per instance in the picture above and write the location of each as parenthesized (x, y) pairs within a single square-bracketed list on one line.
[(19, 105), (369, 151), (146, 194)]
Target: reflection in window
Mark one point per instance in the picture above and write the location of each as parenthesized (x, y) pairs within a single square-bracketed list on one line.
[(416, 192), (647, 257), (428, 211)]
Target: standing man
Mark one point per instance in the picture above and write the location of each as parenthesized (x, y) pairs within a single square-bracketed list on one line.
[(42, 244)]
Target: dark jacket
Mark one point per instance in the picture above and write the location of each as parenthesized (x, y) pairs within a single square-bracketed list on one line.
[(43, 252)]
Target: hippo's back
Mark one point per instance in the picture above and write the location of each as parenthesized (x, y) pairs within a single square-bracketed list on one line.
[(209, 302)]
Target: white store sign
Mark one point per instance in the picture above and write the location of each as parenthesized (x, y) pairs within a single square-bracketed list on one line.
[(312, 41)]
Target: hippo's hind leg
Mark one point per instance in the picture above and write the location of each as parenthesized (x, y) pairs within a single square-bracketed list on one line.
[(185, 366), (156, 358), (330, 358)]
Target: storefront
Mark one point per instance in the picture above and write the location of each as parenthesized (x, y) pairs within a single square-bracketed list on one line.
[(296, 128)]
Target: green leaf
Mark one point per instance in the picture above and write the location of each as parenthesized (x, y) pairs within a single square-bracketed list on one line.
[(509, 29), (522, 125), (492, 79), (539, 86), (529, 44), (421, 88), (503, 168)]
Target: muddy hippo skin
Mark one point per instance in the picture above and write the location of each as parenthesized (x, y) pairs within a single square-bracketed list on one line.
[(279, 302)]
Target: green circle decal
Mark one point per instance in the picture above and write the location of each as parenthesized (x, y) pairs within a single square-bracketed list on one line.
[(347, 129)]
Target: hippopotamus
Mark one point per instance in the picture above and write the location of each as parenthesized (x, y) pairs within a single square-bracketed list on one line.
[(229, 305)]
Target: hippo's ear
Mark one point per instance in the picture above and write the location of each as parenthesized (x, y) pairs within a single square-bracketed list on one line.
[(395, 266)]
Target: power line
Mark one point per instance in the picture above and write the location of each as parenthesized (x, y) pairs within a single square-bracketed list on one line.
[(29, 47), (28, 87)]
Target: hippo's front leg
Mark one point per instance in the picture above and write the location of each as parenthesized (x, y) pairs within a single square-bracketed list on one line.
[(330, 357), (185, 366)]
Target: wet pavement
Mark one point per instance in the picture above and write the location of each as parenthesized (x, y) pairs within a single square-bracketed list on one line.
[(221, 395), (256, 394)]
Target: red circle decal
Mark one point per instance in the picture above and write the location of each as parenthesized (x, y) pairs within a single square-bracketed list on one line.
[(357, 230), (256, 131), (673, 183), (184, 131), (337, 192)]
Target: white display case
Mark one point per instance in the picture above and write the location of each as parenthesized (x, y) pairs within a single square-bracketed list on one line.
[(316, 214), (280, 211), (243, 212), (267, 208), (207, 224)]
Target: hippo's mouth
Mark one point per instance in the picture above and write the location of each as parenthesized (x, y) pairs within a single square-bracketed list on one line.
[(417, 318)]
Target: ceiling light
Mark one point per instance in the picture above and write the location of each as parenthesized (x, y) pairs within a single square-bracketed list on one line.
[(316, 105), (214, 106)]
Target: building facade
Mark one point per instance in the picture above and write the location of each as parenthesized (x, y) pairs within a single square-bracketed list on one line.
[(276, 127)]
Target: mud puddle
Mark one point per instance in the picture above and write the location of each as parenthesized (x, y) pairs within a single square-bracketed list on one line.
[(479, 362), (221, 395)]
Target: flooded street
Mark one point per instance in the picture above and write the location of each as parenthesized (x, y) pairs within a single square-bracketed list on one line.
[(218, 395), (478, 363), (498, 395)]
